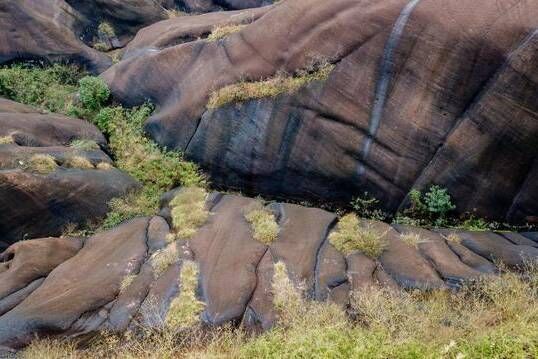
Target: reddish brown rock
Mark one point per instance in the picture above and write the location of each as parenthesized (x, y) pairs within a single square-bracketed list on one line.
[(385, 121)]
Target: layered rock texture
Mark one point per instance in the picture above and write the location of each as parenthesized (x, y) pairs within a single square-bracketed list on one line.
[(424, 92), (131, 275), (47, 181)]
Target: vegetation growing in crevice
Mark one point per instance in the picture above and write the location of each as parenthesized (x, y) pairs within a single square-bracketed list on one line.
[(262, 223), (351, 236), (411, 239), (84, 145), (6, 140), (185, 309), (164, 258), (158, 170), (272, 87), (78, 162), (223, 31), (127, 281), (41, 163), (188, 211)]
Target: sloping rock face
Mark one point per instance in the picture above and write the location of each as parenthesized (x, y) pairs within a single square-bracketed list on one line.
[(35, 204), (424, 92), (78, 286), (45, 30)]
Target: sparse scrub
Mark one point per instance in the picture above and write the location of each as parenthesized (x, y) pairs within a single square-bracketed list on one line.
[(78, 162), (188, 211), (185, 309), (164, 258), (84, 145), (105, 29), (104, 166), (41, 163), (367, 206), (280, 84), (350, 236), (221, 32), (262, 222), (411, 239)]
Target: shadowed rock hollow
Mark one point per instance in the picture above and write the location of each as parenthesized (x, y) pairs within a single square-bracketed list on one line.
[(423, 92), (115, 280), (46, 182)]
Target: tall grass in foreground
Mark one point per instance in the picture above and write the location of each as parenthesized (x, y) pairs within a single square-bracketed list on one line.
[(495, 318)]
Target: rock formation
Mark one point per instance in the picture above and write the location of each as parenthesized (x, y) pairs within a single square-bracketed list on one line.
[(37, 201), (115, 280), (423, 92)]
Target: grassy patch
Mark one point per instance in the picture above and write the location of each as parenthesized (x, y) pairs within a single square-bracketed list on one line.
[(411, 239), (42, 164), (185, 309), (6, 140), (78, 162), (127, 281), (221, 32), (164, 258), (104, 166), (188, 211), (245, 91), (262, 223), (84, 145), (350, 236)]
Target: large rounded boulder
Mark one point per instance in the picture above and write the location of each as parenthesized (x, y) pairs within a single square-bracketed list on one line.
[(422, 92)]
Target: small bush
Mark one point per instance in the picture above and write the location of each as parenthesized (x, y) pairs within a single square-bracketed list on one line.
[(84, 145), (42, 164), (263, 223), (220, 32), (188, 211), (367, 206), (245, 91), (350, 236), (105, 29), (94, 92), (185, 309), (164, 258), (78, 162), (438, 201), (6, 140)]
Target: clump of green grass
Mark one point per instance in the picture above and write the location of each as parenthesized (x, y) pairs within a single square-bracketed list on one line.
[(223, 31), (350, 236), (127, 281), (262, 223), (41, 163), (93, 92), (164, 258), (245, 91), (188, 211), (50, 88), (78, 162), (84, 145), (6, 140), (185, 309)]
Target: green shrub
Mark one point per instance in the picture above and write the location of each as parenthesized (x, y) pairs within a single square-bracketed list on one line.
[(93, 92), (350, 236), (438, 201)]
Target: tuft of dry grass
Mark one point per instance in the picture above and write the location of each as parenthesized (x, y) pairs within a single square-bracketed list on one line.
[(164, 258), (104, 166), (411, 239), (188, 211), (350, 236), (223, 31), (84, 145), (78, 162), (6, 140), (42, 164), (262, 223), (272, 87), (185, 309), (453, 237), (127, 281)]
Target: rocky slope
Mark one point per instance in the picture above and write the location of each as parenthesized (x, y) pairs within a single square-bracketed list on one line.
[(423, 92), (234, 272), (74, 190)]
